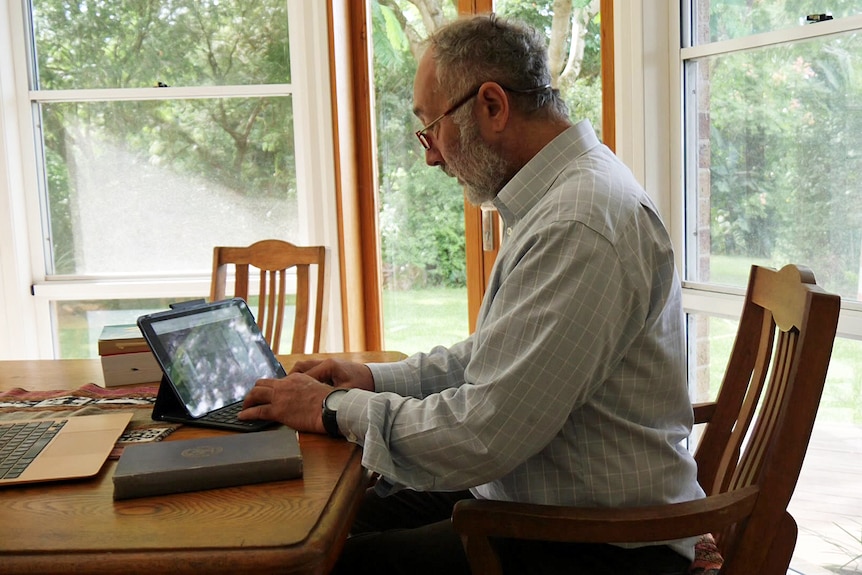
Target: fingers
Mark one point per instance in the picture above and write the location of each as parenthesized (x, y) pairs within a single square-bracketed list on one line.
[(262, 392), (254, 412), (324, 371), (329, 371), (305, 365), (258, 403), (294, 401), (255, 404)]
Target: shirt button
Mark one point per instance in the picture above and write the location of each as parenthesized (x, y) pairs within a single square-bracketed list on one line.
[(508, 231)]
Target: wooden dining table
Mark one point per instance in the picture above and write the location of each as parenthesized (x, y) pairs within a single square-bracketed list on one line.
[(294, 526)]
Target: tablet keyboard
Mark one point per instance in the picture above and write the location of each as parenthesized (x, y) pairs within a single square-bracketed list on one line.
[(228, 414)]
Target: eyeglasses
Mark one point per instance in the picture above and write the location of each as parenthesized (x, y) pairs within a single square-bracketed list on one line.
[(422, 134)]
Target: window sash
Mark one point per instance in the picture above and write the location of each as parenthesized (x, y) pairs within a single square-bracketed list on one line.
[(707, 298)]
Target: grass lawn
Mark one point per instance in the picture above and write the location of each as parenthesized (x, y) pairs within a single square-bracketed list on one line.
[(418, 319)]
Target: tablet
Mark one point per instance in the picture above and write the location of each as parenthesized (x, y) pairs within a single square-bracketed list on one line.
[(211, 354)]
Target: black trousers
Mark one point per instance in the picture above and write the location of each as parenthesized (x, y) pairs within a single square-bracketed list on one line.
[(411, 533)]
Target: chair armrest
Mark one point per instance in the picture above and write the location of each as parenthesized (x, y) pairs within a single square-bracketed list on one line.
[(703, 412), (603, 525)]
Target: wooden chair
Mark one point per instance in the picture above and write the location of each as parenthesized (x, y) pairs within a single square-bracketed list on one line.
[(273, 258), (774, 381)]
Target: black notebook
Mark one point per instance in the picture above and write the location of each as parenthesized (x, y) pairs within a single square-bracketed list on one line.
[(207, 463), (211, 355)]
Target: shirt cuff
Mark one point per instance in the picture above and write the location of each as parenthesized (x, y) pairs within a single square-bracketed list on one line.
[(396, 377), (352, 415)]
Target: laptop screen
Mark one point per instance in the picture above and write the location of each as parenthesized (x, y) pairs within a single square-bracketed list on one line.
[(213, 354)]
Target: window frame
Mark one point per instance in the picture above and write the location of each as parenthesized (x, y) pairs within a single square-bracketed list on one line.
[(30, 331)]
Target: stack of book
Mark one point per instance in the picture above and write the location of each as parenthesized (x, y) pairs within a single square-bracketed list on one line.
[(126, 357)]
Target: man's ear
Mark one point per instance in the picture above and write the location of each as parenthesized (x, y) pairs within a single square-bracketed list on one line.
[(493, 107)]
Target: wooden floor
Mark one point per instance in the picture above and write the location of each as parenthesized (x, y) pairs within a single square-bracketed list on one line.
[(827, 503)]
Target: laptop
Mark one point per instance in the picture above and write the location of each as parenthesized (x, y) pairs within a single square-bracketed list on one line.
[(211, 355), (34, 450)]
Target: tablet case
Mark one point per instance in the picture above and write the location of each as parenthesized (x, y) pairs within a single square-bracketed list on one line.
[(169, 407)]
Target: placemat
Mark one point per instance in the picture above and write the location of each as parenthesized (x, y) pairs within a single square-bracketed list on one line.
[(18, 403)]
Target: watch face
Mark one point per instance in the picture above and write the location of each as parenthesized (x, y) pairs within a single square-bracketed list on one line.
[(333, 399)]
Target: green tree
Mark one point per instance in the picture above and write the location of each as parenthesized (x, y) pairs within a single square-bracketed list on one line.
[(245, 144), (785, 147)]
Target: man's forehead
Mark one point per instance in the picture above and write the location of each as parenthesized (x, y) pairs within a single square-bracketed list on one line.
[(425, 84)]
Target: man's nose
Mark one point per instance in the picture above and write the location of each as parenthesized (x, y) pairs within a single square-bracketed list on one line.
[(432, 156)]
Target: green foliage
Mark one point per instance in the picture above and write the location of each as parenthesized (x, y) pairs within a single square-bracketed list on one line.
[(391, 47), (785, 144), (422, 221), (138, 43), (61, 220)]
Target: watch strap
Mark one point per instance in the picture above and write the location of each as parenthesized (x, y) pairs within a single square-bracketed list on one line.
[(330, 418)]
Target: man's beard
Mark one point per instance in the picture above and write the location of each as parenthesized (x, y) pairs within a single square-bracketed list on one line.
[(482, 171)]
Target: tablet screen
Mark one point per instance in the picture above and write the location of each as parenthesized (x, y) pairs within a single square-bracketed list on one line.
[(212, 354)]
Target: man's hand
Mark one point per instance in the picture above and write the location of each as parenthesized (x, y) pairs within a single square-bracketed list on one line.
[(295, 400), (338, 373)]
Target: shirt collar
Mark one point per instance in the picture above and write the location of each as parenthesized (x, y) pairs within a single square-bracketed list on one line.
[(532, 181)]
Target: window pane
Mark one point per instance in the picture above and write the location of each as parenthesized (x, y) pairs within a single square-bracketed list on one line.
[(422, 216), (79, 323), (717, 20), (151, 187), (421, 209), (139, 43), (711, 339), (777, 177)]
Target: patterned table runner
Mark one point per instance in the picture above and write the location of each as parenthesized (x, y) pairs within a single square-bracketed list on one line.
[(90, 399)]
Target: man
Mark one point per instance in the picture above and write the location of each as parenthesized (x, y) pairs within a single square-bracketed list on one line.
[(571, 390)]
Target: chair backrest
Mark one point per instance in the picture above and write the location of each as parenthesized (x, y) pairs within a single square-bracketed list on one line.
[(764, 413), (272, 258)]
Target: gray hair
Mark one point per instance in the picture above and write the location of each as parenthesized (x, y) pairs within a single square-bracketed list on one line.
[(473, 50)]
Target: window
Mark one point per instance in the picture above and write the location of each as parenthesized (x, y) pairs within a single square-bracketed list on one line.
[(777, 127), (161, 130), (771, 115), (425, 261), (421, 210)]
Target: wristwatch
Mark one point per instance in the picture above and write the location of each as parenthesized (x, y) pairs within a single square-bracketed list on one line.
[(330, 411)]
